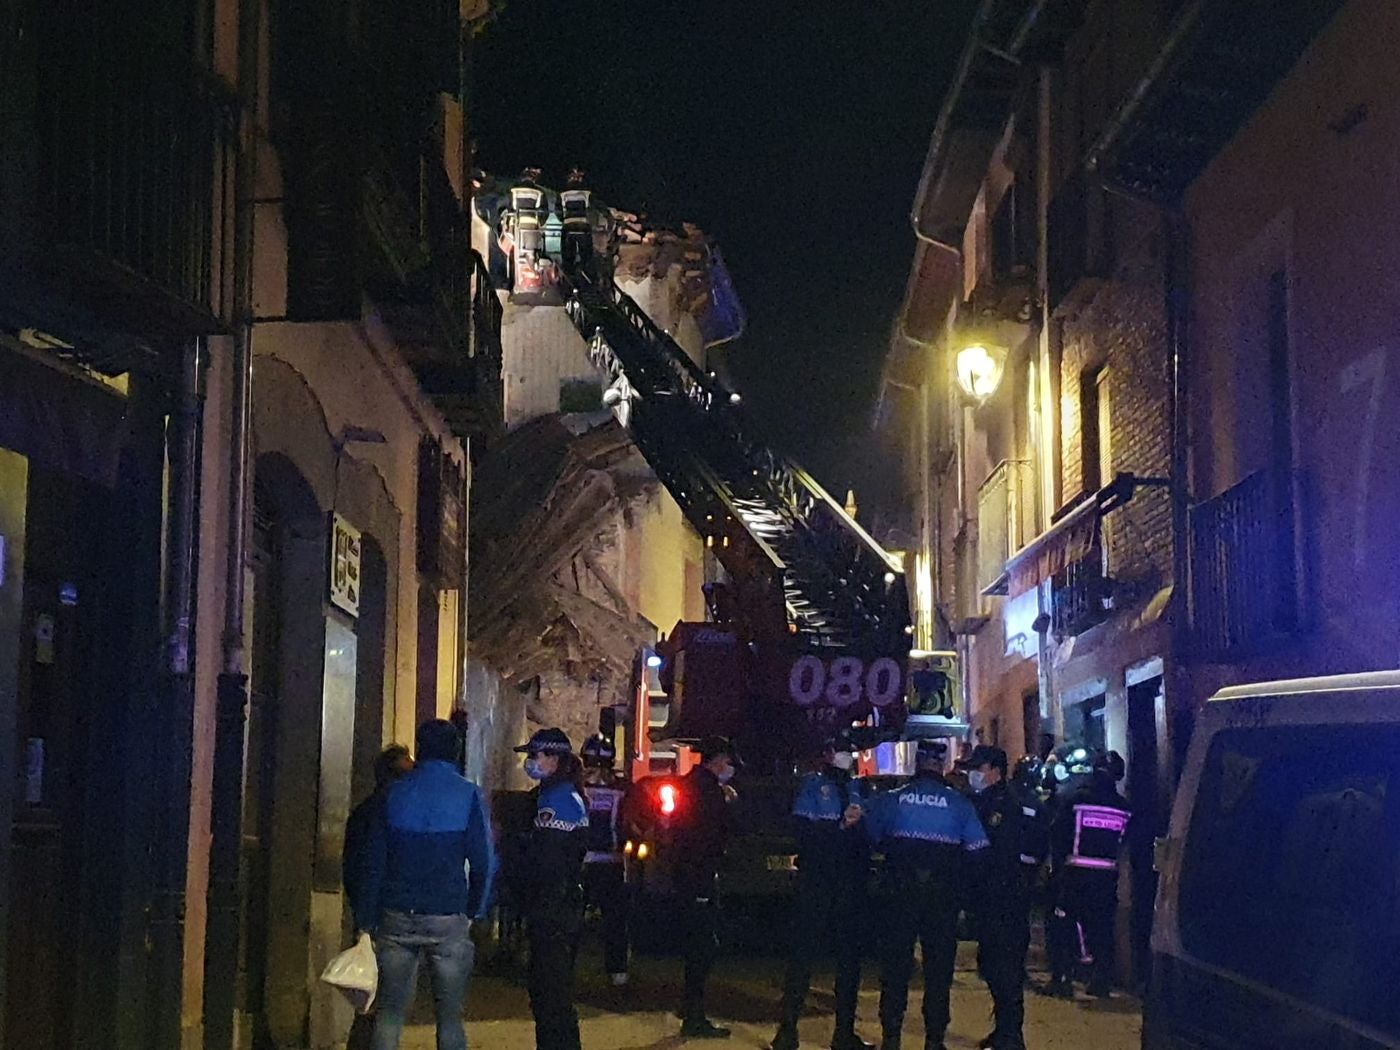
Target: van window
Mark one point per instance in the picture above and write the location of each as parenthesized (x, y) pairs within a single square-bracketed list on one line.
[(1290, 870)]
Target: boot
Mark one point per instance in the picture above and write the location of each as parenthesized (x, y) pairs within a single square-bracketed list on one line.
[(703, 1028), (890, 1042), (786, 1039), (848, 1040)]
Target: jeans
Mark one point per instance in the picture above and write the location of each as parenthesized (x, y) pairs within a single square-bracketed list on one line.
[(399, 943)]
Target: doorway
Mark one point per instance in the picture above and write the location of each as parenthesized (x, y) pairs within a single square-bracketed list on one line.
[(55, 682), (1147, 735)]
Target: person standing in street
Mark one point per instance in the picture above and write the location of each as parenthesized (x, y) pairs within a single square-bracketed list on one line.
[(1086, 840), (833, 865), (1001, 901), (549, 885), (428, 866), (392, 763), (604, 880), (928, 833), (698, 841)]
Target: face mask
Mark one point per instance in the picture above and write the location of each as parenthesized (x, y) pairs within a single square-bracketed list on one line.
[(726, 776), (978, 781), (533, 770), (843, 760)]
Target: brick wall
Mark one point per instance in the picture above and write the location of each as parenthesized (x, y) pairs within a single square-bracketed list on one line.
[(1121, 325)]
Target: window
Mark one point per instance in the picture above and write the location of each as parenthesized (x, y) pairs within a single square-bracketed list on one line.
[(1291, 874), (1085, 725), (1096, 451)]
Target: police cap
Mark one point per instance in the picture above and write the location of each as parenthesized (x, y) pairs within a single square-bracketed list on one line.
[(714, 746), (548, 742)]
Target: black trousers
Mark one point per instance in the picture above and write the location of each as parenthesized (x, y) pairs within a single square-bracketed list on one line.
[(553, 932), (827, 913), (926, 914), (1004, 937), (699, 916), (606, 890), (1091, 899)]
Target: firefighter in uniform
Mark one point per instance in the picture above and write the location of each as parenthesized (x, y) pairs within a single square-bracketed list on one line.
[(833, 863), (1086, 839), (1002, 901), (548, 885), (604, 883), (576, 204), (929, 834)]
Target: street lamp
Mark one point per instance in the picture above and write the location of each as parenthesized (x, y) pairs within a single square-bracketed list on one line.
[(979, 367)]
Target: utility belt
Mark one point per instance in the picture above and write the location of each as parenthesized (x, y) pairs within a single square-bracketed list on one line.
[(598, 856)]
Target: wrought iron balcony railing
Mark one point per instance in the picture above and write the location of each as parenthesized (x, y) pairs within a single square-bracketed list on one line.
[(135, 181), (1079, 594), (1244, 575)]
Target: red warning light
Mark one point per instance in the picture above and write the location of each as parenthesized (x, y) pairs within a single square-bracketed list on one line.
[(667, 794)]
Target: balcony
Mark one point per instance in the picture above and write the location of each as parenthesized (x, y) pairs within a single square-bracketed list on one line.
[(1080, 238), (1244, 574), (1080, 594), (433, 291), (124, 207)]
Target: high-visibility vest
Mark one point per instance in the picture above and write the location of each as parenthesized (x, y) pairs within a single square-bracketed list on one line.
[(1098, 836)]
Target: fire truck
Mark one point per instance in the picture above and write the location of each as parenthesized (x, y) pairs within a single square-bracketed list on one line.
[(808, 630)]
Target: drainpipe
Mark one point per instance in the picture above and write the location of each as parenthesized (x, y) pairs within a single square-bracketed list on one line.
[(175, 742), (1177, 277), (224, 924)]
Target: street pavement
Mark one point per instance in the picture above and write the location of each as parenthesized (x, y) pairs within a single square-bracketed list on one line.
[(744, 996)]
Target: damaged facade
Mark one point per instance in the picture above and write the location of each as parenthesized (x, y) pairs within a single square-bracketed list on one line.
[(580, 558)]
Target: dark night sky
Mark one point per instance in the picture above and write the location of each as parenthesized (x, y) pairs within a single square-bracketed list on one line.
[(793, 132)]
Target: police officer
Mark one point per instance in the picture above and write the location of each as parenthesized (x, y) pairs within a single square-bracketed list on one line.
[(833, 862), (1002, 899), (1086, 839), (603, 875), (929, 834), (699, 834), (548, 885)]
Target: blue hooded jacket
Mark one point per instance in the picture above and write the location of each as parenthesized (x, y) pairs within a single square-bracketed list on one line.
[(431, 852)]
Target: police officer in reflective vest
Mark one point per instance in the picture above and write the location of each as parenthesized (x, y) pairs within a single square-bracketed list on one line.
[(930, 836), (1002, 899), (833, 863), (1086, 839), (548, 884), (603, 875)]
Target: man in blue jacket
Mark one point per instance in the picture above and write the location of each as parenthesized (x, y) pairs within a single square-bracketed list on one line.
[(424, 875)]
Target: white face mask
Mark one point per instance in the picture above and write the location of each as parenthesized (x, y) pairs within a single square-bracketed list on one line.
[(726, 776), (533, 770), (979, 781), (843, 760)]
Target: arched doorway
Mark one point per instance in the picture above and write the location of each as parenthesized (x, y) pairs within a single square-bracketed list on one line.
[(287, 628)]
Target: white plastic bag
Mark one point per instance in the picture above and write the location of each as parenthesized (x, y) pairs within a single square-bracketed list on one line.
[(356, 973)]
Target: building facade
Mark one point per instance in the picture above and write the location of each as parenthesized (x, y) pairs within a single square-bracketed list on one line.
[(1124, 482), (249, 356)]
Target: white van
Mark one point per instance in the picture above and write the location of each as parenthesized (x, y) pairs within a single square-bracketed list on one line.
[(1278, 910)]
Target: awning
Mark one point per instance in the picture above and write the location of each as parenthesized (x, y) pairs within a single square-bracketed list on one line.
[(1068, 540)]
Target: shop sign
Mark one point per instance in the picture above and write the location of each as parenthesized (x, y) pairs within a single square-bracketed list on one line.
[(345, 566)]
